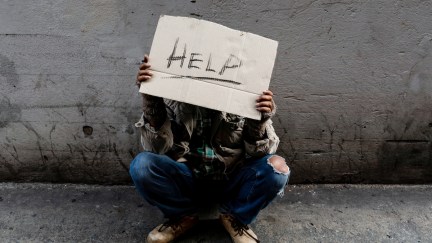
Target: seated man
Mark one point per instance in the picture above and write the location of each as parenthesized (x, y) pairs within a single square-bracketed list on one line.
[(195, 156)]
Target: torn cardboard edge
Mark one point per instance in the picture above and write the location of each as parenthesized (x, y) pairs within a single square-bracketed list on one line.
[(232, 101)]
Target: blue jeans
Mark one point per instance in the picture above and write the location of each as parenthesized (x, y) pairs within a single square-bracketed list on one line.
[(171, 186)]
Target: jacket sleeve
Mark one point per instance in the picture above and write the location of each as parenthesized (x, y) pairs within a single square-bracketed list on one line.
[(260, 137), (155, 126)]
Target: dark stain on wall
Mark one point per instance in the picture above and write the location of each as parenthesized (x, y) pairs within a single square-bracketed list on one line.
[(8, 112), (405, 161), (8, 71)]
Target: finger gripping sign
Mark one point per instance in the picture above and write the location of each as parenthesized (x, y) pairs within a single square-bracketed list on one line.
[(207, 64)]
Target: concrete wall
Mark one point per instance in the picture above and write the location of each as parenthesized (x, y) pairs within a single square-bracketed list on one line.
[(353, 82)]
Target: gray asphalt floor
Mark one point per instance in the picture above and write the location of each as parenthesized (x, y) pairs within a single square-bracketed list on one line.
[(307, 213)]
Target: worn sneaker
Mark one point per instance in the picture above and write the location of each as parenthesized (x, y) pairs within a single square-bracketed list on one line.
[(240, 233), (171, 229)]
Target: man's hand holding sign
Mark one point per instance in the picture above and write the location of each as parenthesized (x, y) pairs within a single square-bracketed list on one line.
[(264, 103)]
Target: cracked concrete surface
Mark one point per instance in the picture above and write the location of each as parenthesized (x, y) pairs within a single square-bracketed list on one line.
[(313, 213)]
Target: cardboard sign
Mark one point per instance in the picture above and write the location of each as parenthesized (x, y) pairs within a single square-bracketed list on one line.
[(207, 64)]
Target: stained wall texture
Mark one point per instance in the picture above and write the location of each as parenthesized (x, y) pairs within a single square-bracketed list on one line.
[(353, 84)]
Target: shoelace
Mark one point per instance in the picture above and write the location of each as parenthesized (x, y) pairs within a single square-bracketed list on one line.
[(241, 228), (173, 223)]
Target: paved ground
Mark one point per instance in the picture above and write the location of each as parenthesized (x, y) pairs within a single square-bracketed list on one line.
[(314, 213)]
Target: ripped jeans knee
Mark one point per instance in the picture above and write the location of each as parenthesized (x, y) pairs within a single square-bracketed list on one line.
[(281, 168), (278, 164)]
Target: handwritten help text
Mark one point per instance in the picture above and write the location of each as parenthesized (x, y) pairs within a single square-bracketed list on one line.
[(197, 60)]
